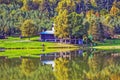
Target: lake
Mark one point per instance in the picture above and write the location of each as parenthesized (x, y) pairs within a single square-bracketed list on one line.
[(90, 64)]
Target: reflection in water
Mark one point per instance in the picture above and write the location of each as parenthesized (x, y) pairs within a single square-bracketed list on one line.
[(49, 58), (28, 66), (76, 65), (61, 69)]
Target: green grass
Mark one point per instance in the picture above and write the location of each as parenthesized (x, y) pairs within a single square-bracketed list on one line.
[(25, 43), (109, 44), (15, 47), (30, 52)]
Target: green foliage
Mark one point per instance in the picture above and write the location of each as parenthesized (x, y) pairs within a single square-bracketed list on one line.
[(28, 28), (76, 27)]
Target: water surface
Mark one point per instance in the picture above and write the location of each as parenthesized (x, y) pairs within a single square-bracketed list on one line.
[(71, 65)]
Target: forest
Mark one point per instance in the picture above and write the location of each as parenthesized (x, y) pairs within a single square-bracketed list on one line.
[(72, 18)]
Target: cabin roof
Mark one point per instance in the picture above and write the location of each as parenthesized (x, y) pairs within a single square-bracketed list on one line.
[(47, 32)]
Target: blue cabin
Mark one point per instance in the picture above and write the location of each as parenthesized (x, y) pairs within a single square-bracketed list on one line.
[(47, 36)]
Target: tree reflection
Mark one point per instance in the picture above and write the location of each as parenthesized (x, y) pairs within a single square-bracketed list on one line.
[(28, 69), (92, 65), (28, 66), (77, 68), (61, 69), (102, 67)]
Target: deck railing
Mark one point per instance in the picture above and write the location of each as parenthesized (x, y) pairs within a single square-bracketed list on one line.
[(68, 41)]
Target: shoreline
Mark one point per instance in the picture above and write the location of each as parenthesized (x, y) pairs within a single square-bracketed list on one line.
[(108, 47)]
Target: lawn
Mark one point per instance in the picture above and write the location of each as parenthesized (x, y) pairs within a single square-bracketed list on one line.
[(15, 42), (16, 47), (108, 44)]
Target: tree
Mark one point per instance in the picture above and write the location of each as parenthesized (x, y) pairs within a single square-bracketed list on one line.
[(95, 25), (76, 27), (25, 5), (114, 10), (93, 2), (61, 25), (28, 28), (66, 5)]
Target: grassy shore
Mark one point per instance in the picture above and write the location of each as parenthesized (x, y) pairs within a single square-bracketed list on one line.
[(108, 44), (16, 47)]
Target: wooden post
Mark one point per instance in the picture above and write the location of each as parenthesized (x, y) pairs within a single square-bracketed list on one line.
[(70, 41), (55, 56), (75, 41), (65, 41), (55, 40), (70, 56)]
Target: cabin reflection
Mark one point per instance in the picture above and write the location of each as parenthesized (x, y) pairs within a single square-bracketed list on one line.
[(3, 57), (49, 58), (115, 54), (68, 55)]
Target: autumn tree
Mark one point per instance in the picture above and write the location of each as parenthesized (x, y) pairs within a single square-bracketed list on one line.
[(61, 25), (66, 5), (28, 28), (114, 10), (95, 25)]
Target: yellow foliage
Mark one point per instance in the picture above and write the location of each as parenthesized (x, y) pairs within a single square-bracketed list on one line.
[(28, 66), (28, 28), (114, 10), (89, 14), (61, 24), (25, 6), (93, 2), (65, 4), (115, 77), (61, 69)]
